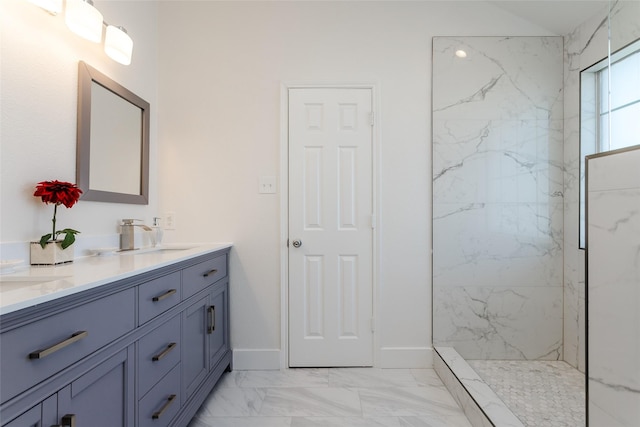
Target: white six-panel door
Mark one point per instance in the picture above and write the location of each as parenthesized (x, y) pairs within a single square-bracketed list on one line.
[(330, 227)]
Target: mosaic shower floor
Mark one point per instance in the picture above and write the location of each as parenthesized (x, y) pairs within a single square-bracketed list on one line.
[(539, 393)]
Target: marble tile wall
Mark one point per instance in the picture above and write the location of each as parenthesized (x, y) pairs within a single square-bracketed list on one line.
[(498, 196), (583, 47), (613, 286)]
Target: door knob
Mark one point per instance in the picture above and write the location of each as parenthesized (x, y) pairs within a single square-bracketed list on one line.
[(297, 243)]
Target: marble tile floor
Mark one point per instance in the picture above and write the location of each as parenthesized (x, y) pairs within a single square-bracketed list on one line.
[(330, 397), (539, 393)]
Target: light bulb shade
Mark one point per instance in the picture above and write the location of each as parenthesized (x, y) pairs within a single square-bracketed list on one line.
[(84, 19), (118, 45), (52, 6)]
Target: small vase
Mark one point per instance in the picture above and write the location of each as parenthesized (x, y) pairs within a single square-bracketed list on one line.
[(52, 254)]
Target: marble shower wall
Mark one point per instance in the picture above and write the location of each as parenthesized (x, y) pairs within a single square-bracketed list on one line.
[(583, 47), (498, 196), (613, 242)]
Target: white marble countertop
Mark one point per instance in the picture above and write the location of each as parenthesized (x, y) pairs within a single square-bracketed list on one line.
[(32, 285)]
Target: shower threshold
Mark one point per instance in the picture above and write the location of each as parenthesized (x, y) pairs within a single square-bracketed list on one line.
[(480, 403)]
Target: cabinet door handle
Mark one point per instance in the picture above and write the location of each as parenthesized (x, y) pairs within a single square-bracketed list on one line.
[(165, 295), (164, 352), (69, 420), (210, 272), (39, 354), (212, 319), (170, 399)]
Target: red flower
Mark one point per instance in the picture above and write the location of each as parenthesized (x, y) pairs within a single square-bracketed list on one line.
[(58, 192)]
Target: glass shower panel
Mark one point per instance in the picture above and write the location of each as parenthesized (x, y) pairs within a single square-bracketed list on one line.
[(497, 196)]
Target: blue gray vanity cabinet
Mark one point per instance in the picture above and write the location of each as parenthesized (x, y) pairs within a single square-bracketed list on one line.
[(158, 407), (42, 415), (205, 335), (203, 274), (101, 397), (206, 352), (98, 396), (158, 295), (219, 331), (38, 349), (198, 320), (195, 354), (135, 352), (158, 352)]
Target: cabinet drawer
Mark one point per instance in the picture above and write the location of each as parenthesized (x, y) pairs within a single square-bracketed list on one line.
[(157, 296), (162, 403), (158, 352), (199, 276), (34, 352)]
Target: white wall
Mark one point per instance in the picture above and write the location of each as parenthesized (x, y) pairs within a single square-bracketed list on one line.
[(39, 72), (221, 67)]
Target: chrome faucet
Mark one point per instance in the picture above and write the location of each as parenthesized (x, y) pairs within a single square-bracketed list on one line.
[(127, 236)]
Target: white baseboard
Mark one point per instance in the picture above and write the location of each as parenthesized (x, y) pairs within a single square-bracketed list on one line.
[(405, 357), (245, 359), (248, 359)]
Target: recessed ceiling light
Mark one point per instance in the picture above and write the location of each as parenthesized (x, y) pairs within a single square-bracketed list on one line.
[(461, 53)]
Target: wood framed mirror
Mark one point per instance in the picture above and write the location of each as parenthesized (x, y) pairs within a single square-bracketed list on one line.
[(112, 160)]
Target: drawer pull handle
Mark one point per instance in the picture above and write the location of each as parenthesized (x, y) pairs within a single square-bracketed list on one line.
[(69, 420), (165, 295), (170, 399), (210, 272), (164, 352), (212, 319), (39, 354)]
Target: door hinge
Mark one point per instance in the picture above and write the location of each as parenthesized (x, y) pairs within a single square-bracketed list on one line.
[(371, 118), (373, 325), (287, 242), (373, 221)]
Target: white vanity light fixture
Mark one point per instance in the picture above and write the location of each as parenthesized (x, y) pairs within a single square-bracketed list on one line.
[(461, 53), (84, 19), (54, 7), (118, 45)]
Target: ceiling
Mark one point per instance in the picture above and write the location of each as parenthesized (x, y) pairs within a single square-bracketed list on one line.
[(560, 17)]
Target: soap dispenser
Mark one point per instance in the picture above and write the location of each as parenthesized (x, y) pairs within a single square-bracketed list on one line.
[(157, 231)]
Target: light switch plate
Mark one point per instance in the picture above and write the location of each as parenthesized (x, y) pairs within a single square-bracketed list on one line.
[(267, 185)]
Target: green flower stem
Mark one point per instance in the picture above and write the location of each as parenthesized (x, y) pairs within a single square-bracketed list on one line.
[(55, 210)]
